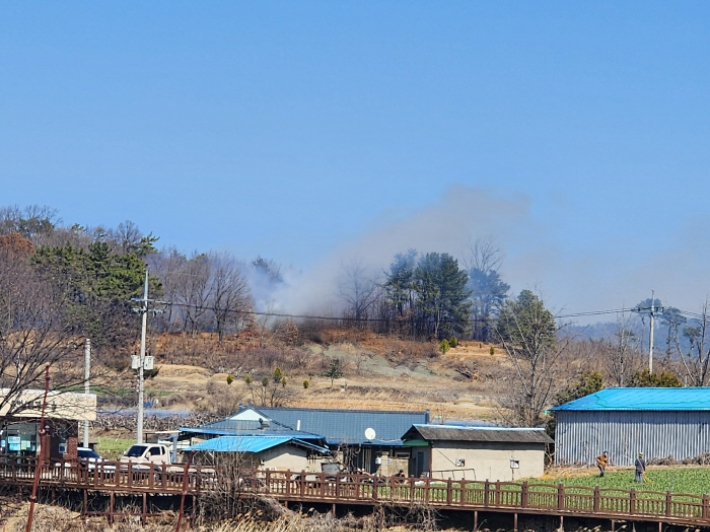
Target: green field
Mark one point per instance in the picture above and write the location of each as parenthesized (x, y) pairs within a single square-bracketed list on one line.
[(691, 480), (112, 448)]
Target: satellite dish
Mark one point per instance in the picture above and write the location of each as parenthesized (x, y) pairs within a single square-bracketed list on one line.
[(370, 434)]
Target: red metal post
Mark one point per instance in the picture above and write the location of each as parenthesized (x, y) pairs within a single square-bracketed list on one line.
[(38, 466), (185, 474), (145, 509)]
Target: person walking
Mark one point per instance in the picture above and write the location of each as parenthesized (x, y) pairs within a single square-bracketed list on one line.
[(602, 462), (640, 464)]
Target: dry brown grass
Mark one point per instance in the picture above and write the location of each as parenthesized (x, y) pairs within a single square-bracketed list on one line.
[(382, 373), (57, 519)]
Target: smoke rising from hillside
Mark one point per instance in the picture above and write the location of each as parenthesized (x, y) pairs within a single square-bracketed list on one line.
[(571, 277), (448, 226)]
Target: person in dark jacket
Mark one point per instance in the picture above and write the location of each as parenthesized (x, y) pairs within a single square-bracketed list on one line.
[(640, 464), (602, 462)]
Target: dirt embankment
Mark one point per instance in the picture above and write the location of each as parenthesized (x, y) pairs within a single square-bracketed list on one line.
[(378, 373)]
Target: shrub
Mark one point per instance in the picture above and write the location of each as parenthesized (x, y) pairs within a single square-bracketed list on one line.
[(492, 350), (453, 342), (306, 384), (230, 379), (444, 346)]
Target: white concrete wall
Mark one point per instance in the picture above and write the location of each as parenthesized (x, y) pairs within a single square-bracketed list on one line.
[(289, 457), (486, 461)]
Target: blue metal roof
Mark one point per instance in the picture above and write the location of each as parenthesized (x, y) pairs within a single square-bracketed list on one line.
[(250, 444), (230, 427), (640, 399), (348, 426)]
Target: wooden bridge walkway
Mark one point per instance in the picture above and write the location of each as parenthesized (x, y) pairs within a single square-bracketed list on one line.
[(346, 489)]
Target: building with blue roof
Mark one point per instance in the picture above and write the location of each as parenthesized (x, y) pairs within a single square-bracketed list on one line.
[(361, 439), (660, 422), (368, 440), (266, 452)]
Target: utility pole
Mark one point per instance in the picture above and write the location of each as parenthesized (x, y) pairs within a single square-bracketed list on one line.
[(141, 383), (650, 337), (87, 389), (652, 312), (142, 362)]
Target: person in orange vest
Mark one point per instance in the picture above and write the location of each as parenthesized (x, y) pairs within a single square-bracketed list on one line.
[(602, 462)]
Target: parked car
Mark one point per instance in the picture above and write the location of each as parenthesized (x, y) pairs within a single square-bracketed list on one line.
[(90, 459), (145, 455)]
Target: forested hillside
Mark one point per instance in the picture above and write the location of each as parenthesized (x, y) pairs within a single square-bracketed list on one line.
[(429, 322)]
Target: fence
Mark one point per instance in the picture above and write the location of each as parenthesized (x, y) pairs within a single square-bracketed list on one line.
[(525, 497)]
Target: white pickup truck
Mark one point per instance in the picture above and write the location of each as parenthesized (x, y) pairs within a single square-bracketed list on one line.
[(144, 454), (156, 457)]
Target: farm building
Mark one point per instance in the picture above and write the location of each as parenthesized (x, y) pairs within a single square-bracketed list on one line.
[(477, 453), (660, 422), (20, 431), (265, 452), (369, 440), (358, 439)]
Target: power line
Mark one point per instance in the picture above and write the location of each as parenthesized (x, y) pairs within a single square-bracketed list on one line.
[(591, 313), (287, 315)]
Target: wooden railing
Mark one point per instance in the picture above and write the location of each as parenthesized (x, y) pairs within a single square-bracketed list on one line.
[(343, 488), (508, 496), (105, 476)]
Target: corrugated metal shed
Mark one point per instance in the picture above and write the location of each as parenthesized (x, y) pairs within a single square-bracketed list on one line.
[(477, 434), (581, 436), (348, 426), (251, 444), (639, 399), (660, 422)]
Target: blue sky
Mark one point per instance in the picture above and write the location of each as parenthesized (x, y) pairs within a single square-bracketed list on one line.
[(576, 134)]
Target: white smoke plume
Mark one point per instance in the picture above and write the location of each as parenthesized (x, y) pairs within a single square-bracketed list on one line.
[(570, 279)]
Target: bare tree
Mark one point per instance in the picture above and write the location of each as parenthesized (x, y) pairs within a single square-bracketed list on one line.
[(127, 237), (270, 390), (195, 294), (529, 336), (696, 362), (31, 221), (229, 292), (484, 254), (488, 291), (33, 330), (623, 353), (358, 288), (170, 266)]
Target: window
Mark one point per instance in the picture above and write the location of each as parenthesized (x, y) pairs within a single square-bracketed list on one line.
[(136, 451), (88, 453)]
